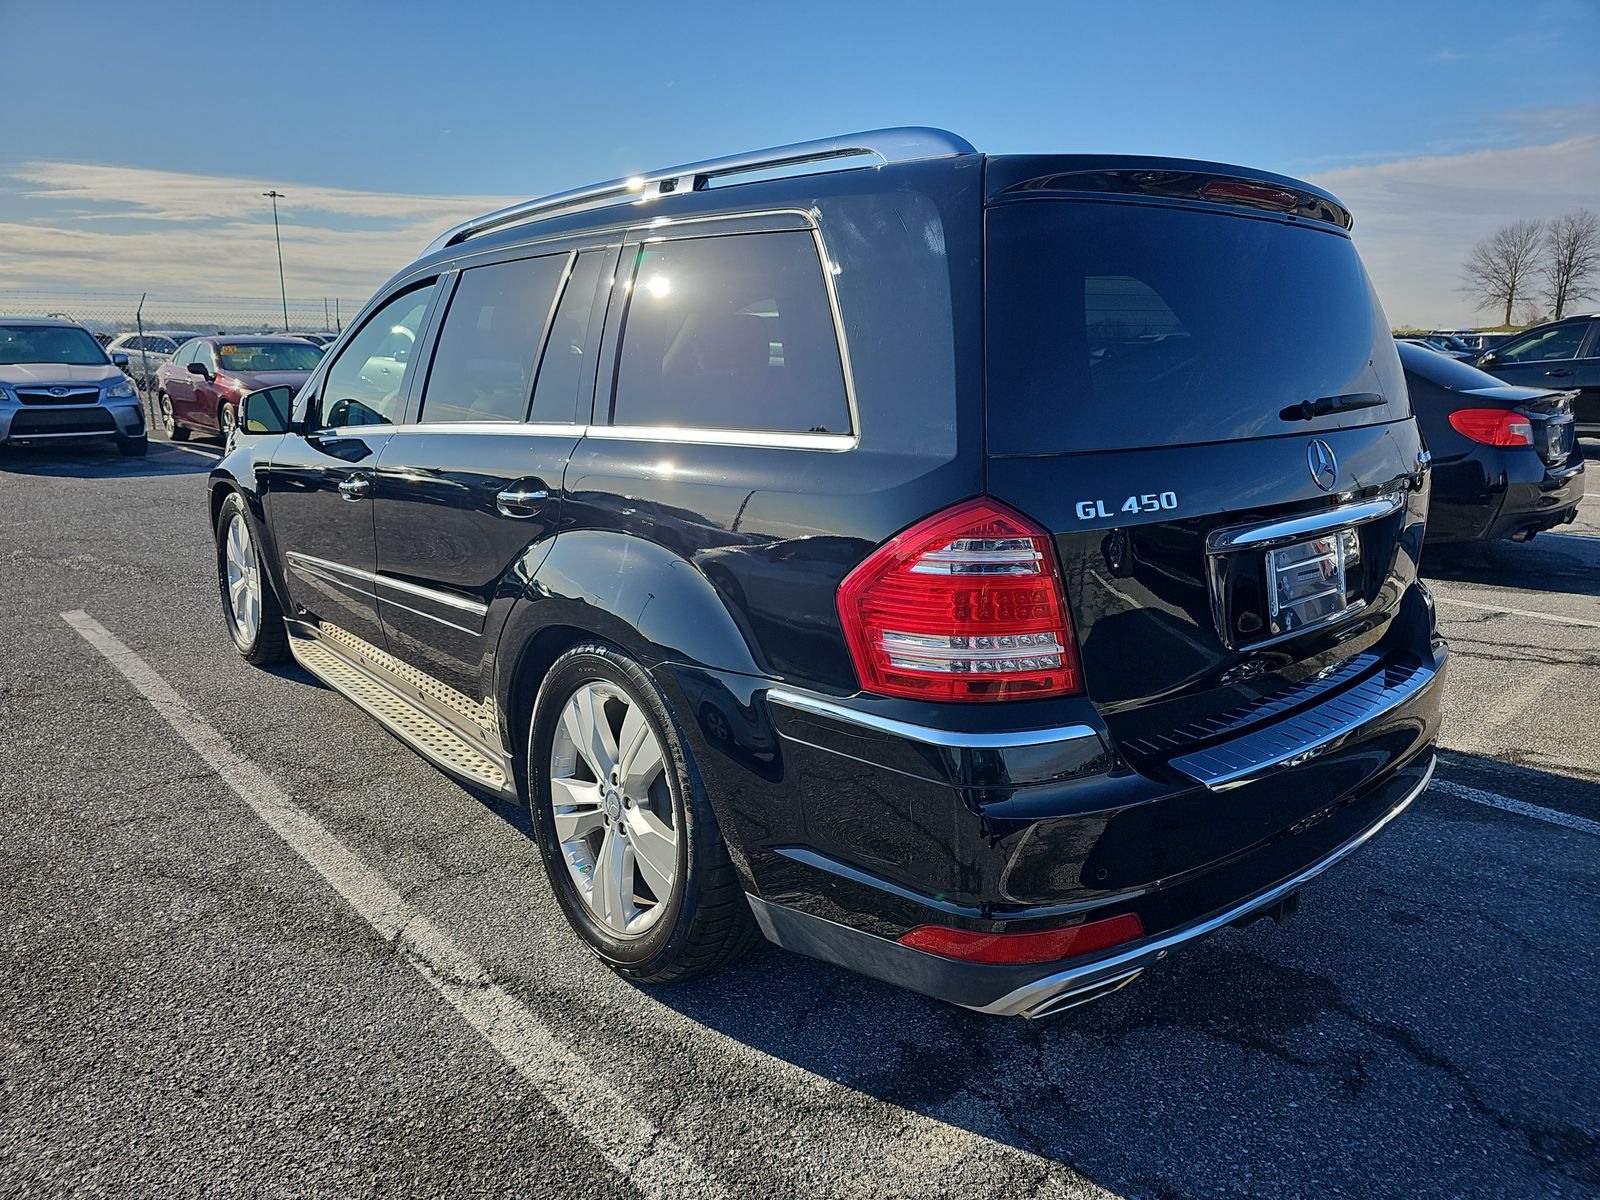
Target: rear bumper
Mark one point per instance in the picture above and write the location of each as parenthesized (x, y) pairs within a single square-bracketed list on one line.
[(1494, 493), (1042, 990)]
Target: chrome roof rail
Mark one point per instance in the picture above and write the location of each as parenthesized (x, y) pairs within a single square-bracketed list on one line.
[(907, 144)]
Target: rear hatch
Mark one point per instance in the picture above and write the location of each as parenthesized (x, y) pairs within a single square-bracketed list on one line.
[(1187, 373)]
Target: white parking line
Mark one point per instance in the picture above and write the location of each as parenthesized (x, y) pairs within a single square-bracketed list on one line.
[(638, 1149), (213, 455), (1551, 816), (1519, 612)]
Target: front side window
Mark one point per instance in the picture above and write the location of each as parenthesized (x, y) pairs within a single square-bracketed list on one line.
[(64, 344), (366, 384), (1546, 345), (483, 366), (731, 333)]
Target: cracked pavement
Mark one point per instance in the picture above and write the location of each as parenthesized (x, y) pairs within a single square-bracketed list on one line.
[(185, 1006)]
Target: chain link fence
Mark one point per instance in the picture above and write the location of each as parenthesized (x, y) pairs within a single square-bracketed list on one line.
[(155, 322)]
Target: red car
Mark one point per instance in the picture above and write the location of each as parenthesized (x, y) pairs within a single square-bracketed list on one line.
[(200, 389)]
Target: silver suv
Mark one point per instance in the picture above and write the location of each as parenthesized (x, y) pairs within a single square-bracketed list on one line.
[(58, 384)]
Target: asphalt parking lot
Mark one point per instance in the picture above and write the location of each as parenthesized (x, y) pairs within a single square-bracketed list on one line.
[(253, 944)]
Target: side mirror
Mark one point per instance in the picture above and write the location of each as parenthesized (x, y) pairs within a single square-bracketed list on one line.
[(1486, 358), (119, 360), (267, 411), (199, 369)]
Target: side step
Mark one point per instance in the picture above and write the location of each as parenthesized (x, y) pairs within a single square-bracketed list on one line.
[(410, 724)]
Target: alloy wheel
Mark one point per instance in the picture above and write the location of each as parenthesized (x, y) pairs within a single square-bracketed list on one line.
[(169, 422), (243, 575), (612, 808)]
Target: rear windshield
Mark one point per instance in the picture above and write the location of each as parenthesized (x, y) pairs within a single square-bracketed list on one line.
[(1120, 325), (268, 356), (49, 344)]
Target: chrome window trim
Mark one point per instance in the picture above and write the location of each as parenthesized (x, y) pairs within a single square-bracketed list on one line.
[(449, 600), (725, 437), (946, 738), (518, 428)]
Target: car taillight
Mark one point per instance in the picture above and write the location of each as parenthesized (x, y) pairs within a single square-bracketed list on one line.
[(1493, 426), (966, 605), (1038, 946)]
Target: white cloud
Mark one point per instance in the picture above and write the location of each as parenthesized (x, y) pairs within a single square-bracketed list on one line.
[(1417, 218), (128, 229)]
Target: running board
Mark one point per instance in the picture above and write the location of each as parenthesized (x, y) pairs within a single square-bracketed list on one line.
[(412, 725)]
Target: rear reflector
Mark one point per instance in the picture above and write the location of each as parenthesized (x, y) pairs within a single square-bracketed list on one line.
[(966, 605), (1493, 426), (1261, 194), (1046, 945)]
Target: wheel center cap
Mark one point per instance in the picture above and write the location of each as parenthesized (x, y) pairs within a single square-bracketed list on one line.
[(613, 804)]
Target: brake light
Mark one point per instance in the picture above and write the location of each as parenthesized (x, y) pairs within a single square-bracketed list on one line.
[(1045, 945), (1262, 194), (1493, 426), (966, 605)]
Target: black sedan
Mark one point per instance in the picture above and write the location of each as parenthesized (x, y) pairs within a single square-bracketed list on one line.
[(1504, 462)]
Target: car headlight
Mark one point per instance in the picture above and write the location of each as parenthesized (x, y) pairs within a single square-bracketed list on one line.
[(120, 389), (5, 396)]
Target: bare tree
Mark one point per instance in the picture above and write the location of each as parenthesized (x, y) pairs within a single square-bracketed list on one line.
[(1571, 258), (1501, 268)]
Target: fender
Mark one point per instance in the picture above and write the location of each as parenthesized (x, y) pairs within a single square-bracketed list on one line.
[(655, 605)]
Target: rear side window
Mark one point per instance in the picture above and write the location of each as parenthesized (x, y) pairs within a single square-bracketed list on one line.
[(1114, 325), (483, 367), (566, 351), (731, 333)]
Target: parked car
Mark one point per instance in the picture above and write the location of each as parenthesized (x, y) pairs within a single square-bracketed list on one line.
[(1100, 633), (1438, 346), (147, 351), (1560, 354), (199, 390), (58, 384), (1504, 461)]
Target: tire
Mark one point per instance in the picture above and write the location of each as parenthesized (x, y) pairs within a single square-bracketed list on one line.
[(134, 447), (263, 639), (704, 920), (169, 421), (225, 421)]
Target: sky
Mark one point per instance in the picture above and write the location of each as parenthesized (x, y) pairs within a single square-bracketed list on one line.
[(383, 124)]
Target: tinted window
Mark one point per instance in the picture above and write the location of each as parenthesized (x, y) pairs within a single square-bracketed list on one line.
[(268, 356), (1126, 325), (65, 344), (1559, 341), (483, 366), (204, 355), (365, 385), (731, 333), (566, 352)]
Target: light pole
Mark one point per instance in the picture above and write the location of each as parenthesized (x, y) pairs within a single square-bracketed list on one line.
[(275, 195)]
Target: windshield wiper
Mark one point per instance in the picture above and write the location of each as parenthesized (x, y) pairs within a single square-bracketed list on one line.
[(1310, 410)]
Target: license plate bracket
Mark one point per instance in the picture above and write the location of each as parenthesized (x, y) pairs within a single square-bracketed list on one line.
[(1307, 582)]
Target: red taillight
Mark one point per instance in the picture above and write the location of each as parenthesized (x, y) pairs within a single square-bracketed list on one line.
[(1047, 945), (966, 605), (1493, 426), (1251, 193)]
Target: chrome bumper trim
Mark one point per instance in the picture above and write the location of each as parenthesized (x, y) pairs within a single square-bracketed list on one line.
[(1299, 738), (1053, 992), (947, 738)]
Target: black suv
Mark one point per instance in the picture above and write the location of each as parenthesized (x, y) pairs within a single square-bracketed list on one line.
[(988, 573)]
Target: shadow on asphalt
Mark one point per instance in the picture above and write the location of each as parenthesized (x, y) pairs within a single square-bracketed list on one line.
[(1249, 1043), (101, 460), (1556, 561)]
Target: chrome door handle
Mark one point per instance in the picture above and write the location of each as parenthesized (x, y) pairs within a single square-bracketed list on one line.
[(1558, 374), (528, 500), (356, 487)]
